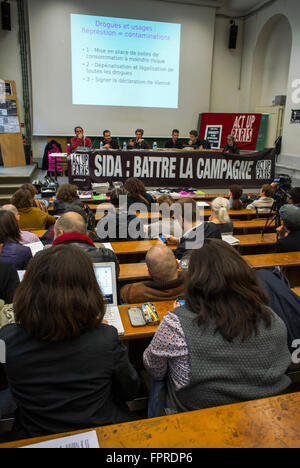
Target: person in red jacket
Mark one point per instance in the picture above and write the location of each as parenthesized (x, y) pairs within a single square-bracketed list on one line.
[(80, 139)]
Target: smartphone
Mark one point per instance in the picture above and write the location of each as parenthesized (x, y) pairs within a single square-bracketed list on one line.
[(163, 238), (181, 300)]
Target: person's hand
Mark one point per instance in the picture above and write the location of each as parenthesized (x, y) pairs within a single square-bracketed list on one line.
[(274, 184), (190, 142), (131, 143), (107, 146), (282, 232), (171, 240), (176, 305), (105, 322), (140, 140)]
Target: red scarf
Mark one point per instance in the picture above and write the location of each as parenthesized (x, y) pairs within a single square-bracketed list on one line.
[(73, 236)]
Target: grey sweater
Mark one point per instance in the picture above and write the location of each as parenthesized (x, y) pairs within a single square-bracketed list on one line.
[(225, 372)]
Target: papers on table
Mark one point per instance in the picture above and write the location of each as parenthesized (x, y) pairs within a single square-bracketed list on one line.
[(107, 245), (86, 440), (35, 247), (231, 240), (203, 204), (21, 274)]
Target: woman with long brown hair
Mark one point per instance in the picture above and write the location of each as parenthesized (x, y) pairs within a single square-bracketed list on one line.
[(225, 345), (66, 368)]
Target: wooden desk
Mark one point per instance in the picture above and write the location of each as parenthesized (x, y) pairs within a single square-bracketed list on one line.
[(253, 224), (248, 214), (297, 291), (266, 423), (139, 271), (133, 333), (136, 247), (289, 259)]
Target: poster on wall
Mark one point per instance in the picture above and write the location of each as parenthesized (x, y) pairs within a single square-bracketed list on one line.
[(5, 89), (8, 107), (249, 130), (295, 117), (214, 134)]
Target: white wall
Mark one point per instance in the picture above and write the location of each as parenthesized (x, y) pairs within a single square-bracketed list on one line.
[(225, 92), (10, 60), (253, 27)]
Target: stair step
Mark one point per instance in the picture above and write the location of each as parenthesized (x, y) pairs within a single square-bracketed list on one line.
[(9, 189)]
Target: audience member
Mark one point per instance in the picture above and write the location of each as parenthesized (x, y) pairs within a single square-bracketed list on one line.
[(294, 196), (164, 284), (220, 215), (168, 224), (59, 311), (195, 230), (37, 203), (26, 236), (117, 225), (136, 193), (67, 194), (30, 217), (108, 141), (138, 142), (283, 301), (12, 250), (266, 199), (235, 193), (231, 146), (225, 345), (80, 140), (70, 229), (289, 231), (174, 142)]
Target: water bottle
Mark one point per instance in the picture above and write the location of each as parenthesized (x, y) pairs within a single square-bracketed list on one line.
[(154, 146), (101, 145), (124, 146)]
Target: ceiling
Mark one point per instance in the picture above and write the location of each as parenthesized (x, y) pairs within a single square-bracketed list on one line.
[(233, 7)]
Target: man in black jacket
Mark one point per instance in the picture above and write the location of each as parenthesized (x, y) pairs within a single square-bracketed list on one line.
[(71, 229), (108, 141), (174, 142)]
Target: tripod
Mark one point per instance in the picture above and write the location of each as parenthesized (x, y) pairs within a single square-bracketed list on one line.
[(271, 218)]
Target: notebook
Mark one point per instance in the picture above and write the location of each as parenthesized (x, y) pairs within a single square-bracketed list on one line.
[(230, 240), (106, 277)]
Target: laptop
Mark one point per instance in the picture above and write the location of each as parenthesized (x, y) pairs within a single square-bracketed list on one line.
[(106, 277)]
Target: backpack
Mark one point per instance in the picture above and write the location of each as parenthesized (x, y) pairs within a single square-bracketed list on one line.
[(91, 222)]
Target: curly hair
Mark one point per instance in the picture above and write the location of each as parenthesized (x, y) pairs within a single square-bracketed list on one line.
[(67, 193)]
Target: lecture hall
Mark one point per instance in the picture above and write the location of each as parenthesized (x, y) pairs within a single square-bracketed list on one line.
[(150, 226)]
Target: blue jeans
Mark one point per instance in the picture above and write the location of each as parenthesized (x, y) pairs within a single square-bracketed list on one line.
[(7, 404), (155, 388)]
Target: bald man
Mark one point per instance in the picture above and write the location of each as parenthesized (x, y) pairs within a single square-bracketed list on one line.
[(71, 229), (26, 236), (165, 282)]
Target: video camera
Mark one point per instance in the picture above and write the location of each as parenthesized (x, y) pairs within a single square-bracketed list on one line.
[(284, 185)]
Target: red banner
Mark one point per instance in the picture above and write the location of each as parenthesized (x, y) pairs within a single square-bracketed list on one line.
[(244, 127)]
